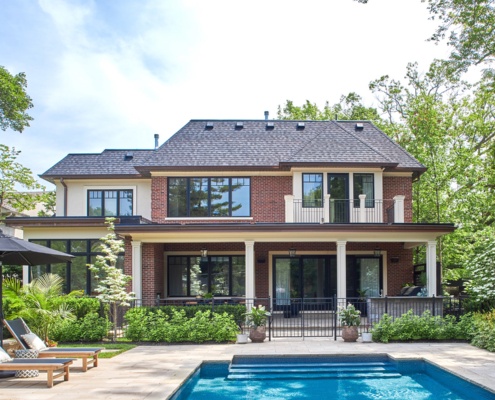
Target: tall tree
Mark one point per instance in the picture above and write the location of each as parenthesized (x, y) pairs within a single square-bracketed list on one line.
[(15, 177), (14, 101)]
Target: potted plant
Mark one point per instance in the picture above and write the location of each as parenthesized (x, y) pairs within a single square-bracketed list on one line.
[(367, 336), (256, 318), (350, 319)]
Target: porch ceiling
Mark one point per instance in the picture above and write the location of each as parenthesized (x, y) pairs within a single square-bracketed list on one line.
[(407, 233)]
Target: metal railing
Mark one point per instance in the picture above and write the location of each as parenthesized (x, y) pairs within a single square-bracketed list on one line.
[(316, 317), (341, 211)]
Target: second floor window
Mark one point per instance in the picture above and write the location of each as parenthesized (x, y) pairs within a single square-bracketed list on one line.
[(312, 190), (364, 184), (209, 197), (109, 203)]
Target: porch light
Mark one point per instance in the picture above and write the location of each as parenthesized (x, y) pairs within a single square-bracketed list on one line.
[(292, 252), (377, 252), (204, 253)]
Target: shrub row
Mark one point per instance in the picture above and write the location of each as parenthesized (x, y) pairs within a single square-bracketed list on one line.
[(425, 327), (144, 324), (237, 311), (483, 333)]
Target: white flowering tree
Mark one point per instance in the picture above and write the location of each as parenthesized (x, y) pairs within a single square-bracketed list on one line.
[(112, 282), (482, 271)]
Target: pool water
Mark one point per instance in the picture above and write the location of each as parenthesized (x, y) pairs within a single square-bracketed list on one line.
[(326, 377)]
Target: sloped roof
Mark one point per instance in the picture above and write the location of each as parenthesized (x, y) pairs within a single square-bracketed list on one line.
[(111, 163), (249, 144)]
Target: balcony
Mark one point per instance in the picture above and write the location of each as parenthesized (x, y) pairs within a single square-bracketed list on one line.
[(343, 211)]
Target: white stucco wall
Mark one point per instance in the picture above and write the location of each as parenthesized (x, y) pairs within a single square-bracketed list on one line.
[(77, 194)]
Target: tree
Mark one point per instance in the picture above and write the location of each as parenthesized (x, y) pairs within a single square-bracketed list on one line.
[(468, 26), (14, 176), (14, 101), (112, 282)]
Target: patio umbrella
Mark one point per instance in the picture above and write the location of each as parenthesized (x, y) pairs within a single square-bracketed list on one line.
[(15, 251)]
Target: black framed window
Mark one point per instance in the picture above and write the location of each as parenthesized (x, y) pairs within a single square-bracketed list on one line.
[(196, 276), (312, 190), (109, 203), (364, 184), (209, 197), (76, 274)]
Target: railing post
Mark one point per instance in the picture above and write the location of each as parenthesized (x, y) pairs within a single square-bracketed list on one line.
[(433, 312), (399, 208), (326, 208), (289, 208), (362, 209), (334, 317)]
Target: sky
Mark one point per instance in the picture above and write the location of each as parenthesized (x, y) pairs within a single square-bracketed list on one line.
[(108, 74)]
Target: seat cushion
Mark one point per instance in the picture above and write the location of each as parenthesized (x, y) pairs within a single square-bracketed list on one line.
[(34, 342), (4, 356)]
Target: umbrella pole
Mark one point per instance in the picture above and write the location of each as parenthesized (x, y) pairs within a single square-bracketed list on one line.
[(3, 374)]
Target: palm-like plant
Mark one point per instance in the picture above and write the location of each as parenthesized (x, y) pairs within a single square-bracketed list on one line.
[(38, 303)]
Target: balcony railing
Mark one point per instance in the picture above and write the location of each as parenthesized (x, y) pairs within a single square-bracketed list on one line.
[(342, 211)]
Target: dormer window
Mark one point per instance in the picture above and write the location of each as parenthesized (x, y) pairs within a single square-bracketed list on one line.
[(109, 203)]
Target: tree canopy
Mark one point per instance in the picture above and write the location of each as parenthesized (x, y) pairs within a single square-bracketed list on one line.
[(14, 101)]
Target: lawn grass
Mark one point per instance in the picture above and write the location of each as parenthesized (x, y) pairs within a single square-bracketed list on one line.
[(112, 349)]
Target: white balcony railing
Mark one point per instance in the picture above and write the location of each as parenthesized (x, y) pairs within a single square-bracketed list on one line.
[(342, 211)]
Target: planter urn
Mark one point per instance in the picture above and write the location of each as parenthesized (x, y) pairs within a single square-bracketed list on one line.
[(258, 334), (350, 333)]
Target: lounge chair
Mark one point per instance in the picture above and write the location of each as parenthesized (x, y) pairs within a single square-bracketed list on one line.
[(18, 329), (50, 365)]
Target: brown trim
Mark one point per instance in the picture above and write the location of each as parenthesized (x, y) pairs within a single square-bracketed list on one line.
[(248, 227), (57, 221)]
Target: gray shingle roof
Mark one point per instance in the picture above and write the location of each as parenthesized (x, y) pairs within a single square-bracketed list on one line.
[(217, 144), (107, 163)]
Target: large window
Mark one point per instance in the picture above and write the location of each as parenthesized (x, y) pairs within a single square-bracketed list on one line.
[(312, 190), (196, 276), (109, 203), (209, 197), (76, 274), (364, 184)]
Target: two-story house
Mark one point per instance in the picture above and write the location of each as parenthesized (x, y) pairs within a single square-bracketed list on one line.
[(254, 208)]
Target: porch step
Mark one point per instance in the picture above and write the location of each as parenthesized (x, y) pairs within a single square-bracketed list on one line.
[(312, 370)]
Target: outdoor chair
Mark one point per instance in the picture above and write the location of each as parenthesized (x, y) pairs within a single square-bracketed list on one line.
[(28, 340), (50, 365)]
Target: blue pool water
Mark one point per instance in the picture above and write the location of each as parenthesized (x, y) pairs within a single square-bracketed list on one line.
[(326, 377)]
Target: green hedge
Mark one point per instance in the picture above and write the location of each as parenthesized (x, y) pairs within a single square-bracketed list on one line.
[(483, 333), (410, 327), (174, 325), (91, 322)]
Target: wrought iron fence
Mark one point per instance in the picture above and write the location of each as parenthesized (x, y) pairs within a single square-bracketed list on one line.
[(316, 317)]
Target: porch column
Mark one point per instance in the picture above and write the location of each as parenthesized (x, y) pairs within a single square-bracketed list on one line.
[(399, 208), (341, 270), (249, 269), (431, 268), (289, 208), (137, 269)]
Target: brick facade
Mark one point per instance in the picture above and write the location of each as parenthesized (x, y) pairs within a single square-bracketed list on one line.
[(393, 186)]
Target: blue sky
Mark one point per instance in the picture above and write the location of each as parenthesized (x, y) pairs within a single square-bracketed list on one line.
[(111, 74)]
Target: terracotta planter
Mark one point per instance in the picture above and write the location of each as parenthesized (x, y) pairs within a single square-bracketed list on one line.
[(258, 334), (350, 333)]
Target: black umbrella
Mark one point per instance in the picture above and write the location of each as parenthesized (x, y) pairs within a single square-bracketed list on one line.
[(15, 251)]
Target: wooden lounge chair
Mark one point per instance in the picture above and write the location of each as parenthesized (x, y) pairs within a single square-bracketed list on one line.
[(89, 355), (50, 365)]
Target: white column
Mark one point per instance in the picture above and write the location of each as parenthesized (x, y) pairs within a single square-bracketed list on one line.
[(362, 210), (399, 208), (249, 269), (431, 268), (326, 208), (289, 208), (137, 269), (341, 270)]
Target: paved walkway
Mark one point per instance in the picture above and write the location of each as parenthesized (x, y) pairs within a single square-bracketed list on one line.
[(154, 372)]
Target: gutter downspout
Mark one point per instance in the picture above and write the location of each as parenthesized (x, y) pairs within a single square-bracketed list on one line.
[(65, 196)]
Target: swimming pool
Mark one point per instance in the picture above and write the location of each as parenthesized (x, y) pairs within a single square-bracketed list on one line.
[(324, 377)]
